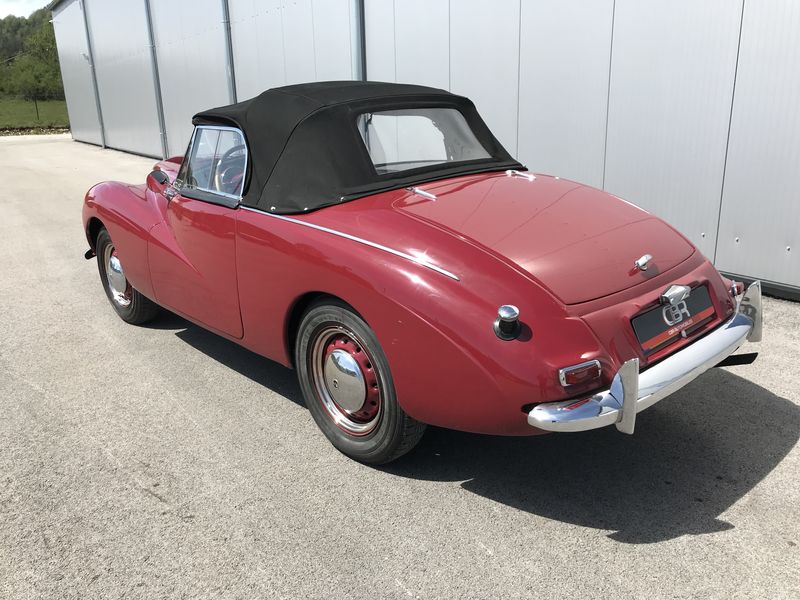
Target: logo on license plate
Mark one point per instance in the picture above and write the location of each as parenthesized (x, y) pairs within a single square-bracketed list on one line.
[(675, 313)]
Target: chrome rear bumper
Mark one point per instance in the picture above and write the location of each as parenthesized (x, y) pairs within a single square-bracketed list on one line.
[(632, 392)]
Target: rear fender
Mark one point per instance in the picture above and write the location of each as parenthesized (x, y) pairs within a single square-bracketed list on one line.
[(449, 367)]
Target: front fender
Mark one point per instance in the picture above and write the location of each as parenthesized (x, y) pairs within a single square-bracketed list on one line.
[(128, 212)]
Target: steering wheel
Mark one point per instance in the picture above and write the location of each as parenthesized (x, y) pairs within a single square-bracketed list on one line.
[(228, 177)]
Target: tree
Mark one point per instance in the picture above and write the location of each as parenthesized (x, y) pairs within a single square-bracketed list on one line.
[(30, 57)]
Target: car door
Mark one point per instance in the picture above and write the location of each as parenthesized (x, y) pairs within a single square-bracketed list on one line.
[(192, 252)]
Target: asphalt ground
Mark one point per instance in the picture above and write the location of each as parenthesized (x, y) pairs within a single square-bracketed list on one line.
[(166, 462)]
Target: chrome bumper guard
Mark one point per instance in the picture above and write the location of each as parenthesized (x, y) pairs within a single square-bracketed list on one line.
[(632, 392)]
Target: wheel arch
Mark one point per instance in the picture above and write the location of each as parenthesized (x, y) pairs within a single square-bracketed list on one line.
[(295, 314), (93, 227)]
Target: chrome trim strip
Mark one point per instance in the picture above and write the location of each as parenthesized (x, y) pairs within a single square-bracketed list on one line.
[(415, 259), (515, 173), (632, 392), (421, 192)]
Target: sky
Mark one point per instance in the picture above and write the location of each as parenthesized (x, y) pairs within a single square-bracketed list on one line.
[(21, 8)]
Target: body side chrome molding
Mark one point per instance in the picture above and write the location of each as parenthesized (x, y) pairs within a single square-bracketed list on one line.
[(414, 259)]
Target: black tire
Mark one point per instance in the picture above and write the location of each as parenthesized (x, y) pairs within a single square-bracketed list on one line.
[(387, 434), (130, 304)]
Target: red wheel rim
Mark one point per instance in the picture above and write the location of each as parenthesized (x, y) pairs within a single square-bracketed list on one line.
[(346, 380)]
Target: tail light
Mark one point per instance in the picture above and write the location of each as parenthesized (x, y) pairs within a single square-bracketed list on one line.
[(577, 374)]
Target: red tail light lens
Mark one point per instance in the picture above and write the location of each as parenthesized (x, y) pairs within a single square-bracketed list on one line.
[(582, 373)]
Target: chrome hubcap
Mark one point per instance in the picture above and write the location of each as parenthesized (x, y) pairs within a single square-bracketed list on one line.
[(345, 380), (117, 284)]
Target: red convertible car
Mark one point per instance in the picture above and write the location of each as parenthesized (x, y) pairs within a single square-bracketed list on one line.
[(378, 239)]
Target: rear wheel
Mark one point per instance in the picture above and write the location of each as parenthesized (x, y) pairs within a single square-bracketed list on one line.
[(348, 387), (131, 306)]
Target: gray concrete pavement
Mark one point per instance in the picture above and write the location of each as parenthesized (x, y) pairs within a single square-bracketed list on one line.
[(163, 461)]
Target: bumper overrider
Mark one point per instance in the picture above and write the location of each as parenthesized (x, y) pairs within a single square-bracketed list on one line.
[(632, 392)]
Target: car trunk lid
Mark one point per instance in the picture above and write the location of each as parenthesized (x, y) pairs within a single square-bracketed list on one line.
[(578, 241)]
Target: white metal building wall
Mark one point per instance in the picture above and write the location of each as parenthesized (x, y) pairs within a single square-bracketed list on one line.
[(274, 42), (689, 109), (192, 63), (672, 73), (639, 97), (278, 42), (469, 47), (76, 72), (563, 86), (125, 79), (759, 230)]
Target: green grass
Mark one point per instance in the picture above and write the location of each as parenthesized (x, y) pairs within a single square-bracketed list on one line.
[(21, 114)]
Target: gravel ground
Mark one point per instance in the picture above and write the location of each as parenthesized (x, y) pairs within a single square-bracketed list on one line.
[(164, 461)]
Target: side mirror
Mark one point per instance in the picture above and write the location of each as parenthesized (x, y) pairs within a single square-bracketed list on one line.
[(160, 177)]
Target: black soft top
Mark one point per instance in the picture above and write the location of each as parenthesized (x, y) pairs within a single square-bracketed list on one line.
[(305, 151)]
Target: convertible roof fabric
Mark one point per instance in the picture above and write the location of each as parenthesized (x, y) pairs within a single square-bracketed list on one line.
[(305, 151)]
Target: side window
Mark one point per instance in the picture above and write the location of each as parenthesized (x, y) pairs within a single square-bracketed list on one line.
[(216, 162), (414, 138)]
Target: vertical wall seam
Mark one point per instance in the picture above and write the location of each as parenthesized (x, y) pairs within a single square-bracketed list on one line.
[(394, 37), (608, 89), (449, 46), (728, 138), (519, 69), (230, 71), (283, 43), (361, 20), (93, 71), (156, 80), (314, 40)]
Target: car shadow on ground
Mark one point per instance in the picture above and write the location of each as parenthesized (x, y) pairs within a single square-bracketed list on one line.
[(265, 372), (692, 457)]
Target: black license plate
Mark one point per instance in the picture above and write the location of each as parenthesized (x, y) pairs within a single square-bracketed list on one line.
[(663, 325)]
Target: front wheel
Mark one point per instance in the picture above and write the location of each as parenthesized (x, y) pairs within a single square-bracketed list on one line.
[(130, 304), (348, 387)]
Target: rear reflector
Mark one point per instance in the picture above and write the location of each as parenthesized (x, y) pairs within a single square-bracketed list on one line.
[(582, 373)]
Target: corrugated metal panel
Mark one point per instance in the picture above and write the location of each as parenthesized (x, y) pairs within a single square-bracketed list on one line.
[(73, 54), (538, 71), (565, 50), (379, 25), (191, 63), (124, 75), (421, 35), (299, 56), (484, 61), (445, 44), (277, 42), (672, 75), (409, 41), (336, 40), (257, 38), (759, 234)]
